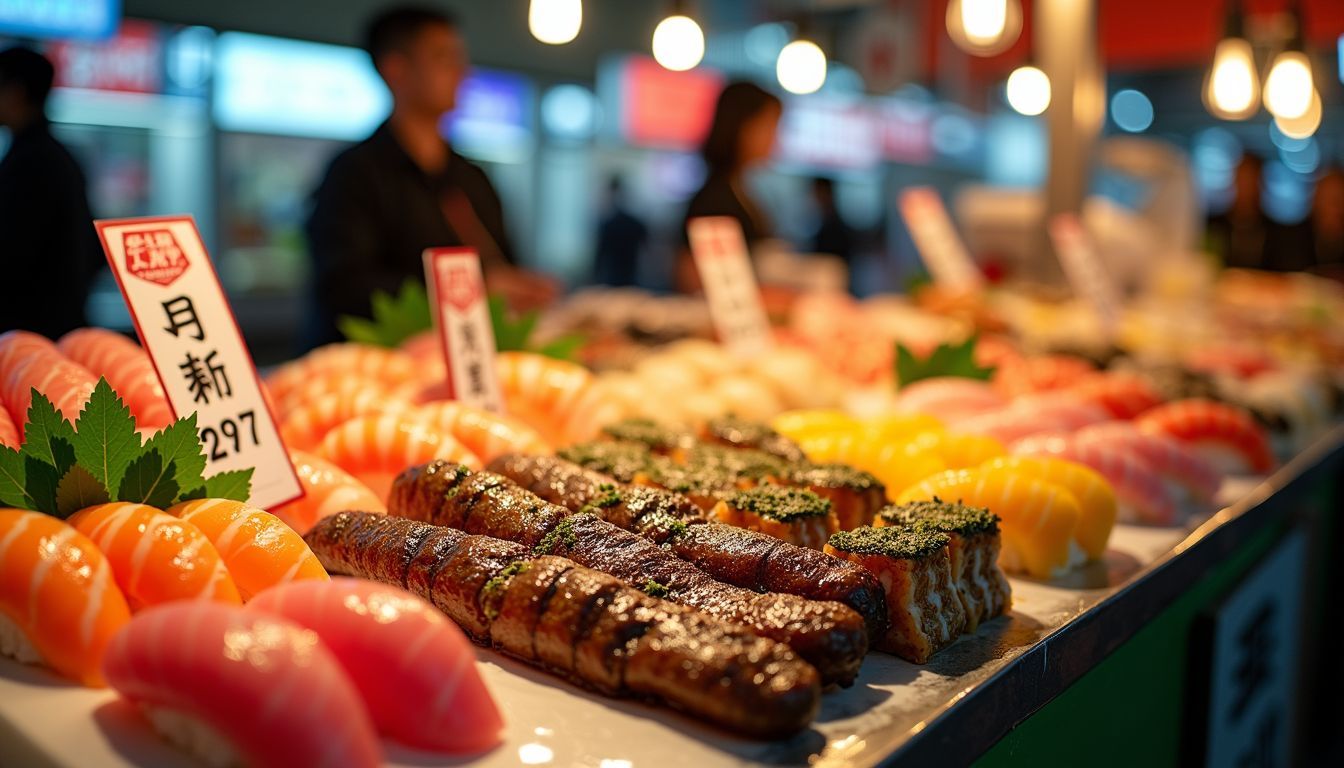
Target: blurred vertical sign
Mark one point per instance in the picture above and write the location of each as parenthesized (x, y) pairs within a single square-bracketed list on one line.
[(721, 257), (462, 317), (1249, 649), (1085, 272), (939, 245), (186, 325)]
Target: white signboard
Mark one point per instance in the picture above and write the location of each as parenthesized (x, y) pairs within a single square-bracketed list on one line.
[(735, 306), (186, 325), (939, 245), (462, 316), (1084, 270)]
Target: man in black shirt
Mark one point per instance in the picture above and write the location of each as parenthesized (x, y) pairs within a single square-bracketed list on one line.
[(48, 249), (404, 189)]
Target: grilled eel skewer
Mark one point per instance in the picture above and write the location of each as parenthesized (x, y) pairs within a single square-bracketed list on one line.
[(579, 623), (830, 636), (737, 556)]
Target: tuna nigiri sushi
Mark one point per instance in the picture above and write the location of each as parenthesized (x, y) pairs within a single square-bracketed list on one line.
[(1039, 520), (1179, 464), (414, 667), (155, 557), (258, 549), (59, 604), (1142, 495), (1224, 434), (1123, 394), (234, 686), (949, 397), (327, 489)]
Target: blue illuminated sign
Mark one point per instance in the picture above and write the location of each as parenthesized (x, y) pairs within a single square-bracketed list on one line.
[(78, 19)]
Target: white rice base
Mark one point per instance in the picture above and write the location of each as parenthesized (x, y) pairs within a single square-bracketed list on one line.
[(15, 644), (193, 736)]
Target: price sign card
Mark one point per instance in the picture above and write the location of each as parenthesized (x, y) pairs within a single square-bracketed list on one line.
[(186, 325), (1084, 270), (939, 245), (462, 316), (735, 306)]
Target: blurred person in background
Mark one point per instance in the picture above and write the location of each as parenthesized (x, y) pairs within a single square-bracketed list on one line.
[(833, 235), (621, 240), (1246, 237), (741, 137), (404, 189), (1327, 223), (50, 251)]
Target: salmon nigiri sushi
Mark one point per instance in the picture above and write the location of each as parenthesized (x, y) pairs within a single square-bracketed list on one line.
[(377, 448), (155, 557), (1226, 435), (258, 549), (126, 367), (59, 604), (1097, 506), (327, 489), (234, 686), (414, 668), (9, 434), (1039, 520)]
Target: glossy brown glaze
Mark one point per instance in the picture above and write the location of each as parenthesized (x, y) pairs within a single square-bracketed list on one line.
[(744, 558), (581, 624), (830, 635)]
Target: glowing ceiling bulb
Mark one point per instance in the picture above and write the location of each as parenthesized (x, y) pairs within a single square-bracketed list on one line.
[(984, 27), (1028, 90), (1288, 88), (678, 43), (801, 67), (984, 20), (1305, 126), (555, 21), (1232, 89)]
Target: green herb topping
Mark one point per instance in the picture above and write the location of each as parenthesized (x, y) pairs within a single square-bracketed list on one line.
[(738, 462), (833, 476), (490, 593), (938, 515), (896, 543), (647, 432), (654, 589), (780, 503), (62, 467), (562, 532), (622, 460)]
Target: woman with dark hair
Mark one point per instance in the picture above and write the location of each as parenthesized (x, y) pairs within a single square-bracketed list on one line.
[(741, 137)]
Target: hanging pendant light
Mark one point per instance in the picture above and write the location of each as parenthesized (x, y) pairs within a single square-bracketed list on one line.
[(801, 66), (1028, 90), (678, 41), (1289, 85), (555, 22), (984, 27), (1232, 85)]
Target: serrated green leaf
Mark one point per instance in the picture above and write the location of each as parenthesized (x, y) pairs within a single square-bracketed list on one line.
[(48, 437), (946, 360), (191, 494), (235, 484), (77, 490), (359, 329), (563, 348), (149, 481), (179, 446), (41, 480), (105, 439), (395, 318), (14, 480)]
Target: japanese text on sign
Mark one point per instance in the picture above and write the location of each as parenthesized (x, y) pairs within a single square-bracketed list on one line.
[(1085, 272), (939, 245), (185, 324), (462, 318), (720, 253)]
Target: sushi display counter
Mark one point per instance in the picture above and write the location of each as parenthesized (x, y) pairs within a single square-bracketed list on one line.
[(979, 699)]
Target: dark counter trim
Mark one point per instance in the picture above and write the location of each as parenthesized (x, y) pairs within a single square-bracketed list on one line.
[(972, 722)]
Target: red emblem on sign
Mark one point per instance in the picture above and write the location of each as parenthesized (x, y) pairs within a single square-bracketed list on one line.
[(154, 255), (459, 286)]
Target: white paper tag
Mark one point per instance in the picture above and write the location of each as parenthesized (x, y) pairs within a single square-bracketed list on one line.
[(462, 316), (735, 306), (1085, 272), (187, 326), (937, 241)]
